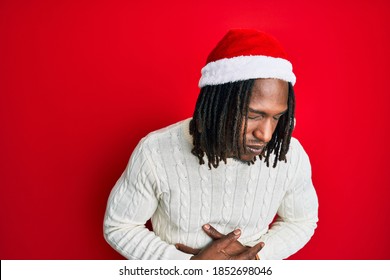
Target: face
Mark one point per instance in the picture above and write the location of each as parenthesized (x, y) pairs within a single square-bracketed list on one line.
[(267, 104)]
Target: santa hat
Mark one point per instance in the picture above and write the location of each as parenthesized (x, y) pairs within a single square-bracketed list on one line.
[(244, 54)]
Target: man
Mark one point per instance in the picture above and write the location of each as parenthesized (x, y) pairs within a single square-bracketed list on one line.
[(212, 185)]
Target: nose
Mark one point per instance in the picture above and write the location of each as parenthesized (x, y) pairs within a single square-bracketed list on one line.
[(264, 131)]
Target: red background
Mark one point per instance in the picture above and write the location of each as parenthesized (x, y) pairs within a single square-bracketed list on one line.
[(82, 81)]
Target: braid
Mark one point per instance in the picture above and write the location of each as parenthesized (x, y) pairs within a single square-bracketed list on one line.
[(217, 123), (280, 141)]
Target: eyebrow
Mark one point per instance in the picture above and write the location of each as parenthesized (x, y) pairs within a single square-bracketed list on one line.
[(264, 113)]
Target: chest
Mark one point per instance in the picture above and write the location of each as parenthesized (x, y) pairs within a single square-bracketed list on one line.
[(231, 195)]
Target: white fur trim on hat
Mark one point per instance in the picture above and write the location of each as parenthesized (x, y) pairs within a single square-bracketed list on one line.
[(244, 68)]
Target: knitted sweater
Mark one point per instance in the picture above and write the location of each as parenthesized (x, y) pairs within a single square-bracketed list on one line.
[(164, 182)]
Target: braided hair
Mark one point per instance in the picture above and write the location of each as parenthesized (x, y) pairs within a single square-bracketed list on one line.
[(217, 123)]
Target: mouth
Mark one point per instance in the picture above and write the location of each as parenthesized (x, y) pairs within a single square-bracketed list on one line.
[(256, 150)]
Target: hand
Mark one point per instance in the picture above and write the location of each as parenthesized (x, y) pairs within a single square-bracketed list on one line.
[(224, 247), (234, 249)]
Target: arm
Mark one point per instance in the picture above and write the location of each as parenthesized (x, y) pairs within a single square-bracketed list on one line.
[(132, 202), (297, 214)]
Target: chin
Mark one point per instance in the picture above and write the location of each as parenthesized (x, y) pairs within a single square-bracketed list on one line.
[(246, 160)]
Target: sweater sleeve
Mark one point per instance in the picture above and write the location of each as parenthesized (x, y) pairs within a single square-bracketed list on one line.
[(297, 214), (131, 204)]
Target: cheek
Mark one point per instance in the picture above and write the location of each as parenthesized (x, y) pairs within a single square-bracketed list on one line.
[(251, 126)]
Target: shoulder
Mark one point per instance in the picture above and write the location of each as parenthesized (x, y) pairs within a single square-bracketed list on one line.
[(296, 146), (164, 136), (297, 156), (156, 143)]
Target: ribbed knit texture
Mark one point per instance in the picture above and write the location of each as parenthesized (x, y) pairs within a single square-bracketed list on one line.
[(164, 181)]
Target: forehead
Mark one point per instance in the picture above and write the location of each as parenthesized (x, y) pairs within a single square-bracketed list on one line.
[(270, 95)]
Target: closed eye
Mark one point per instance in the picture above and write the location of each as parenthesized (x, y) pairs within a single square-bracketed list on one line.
[(257, 117), (278, 117)]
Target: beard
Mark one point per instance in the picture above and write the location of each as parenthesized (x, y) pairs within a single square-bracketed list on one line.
[(246, 162)]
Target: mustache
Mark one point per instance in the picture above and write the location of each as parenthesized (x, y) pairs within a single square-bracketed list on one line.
[(255, 143)]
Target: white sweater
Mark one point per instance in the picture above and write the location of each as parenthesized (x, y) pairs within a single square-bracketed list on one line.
[(165, 182)]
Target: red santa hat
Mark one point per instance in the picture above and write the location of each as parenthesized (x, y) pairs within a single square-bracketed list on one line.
[(244, 54)]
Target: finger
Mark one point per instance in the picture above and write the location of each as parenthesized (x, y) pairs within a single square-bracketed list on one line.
[(212, 232), (187, 249), (250, 254), (227, 239), (259, 246)]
